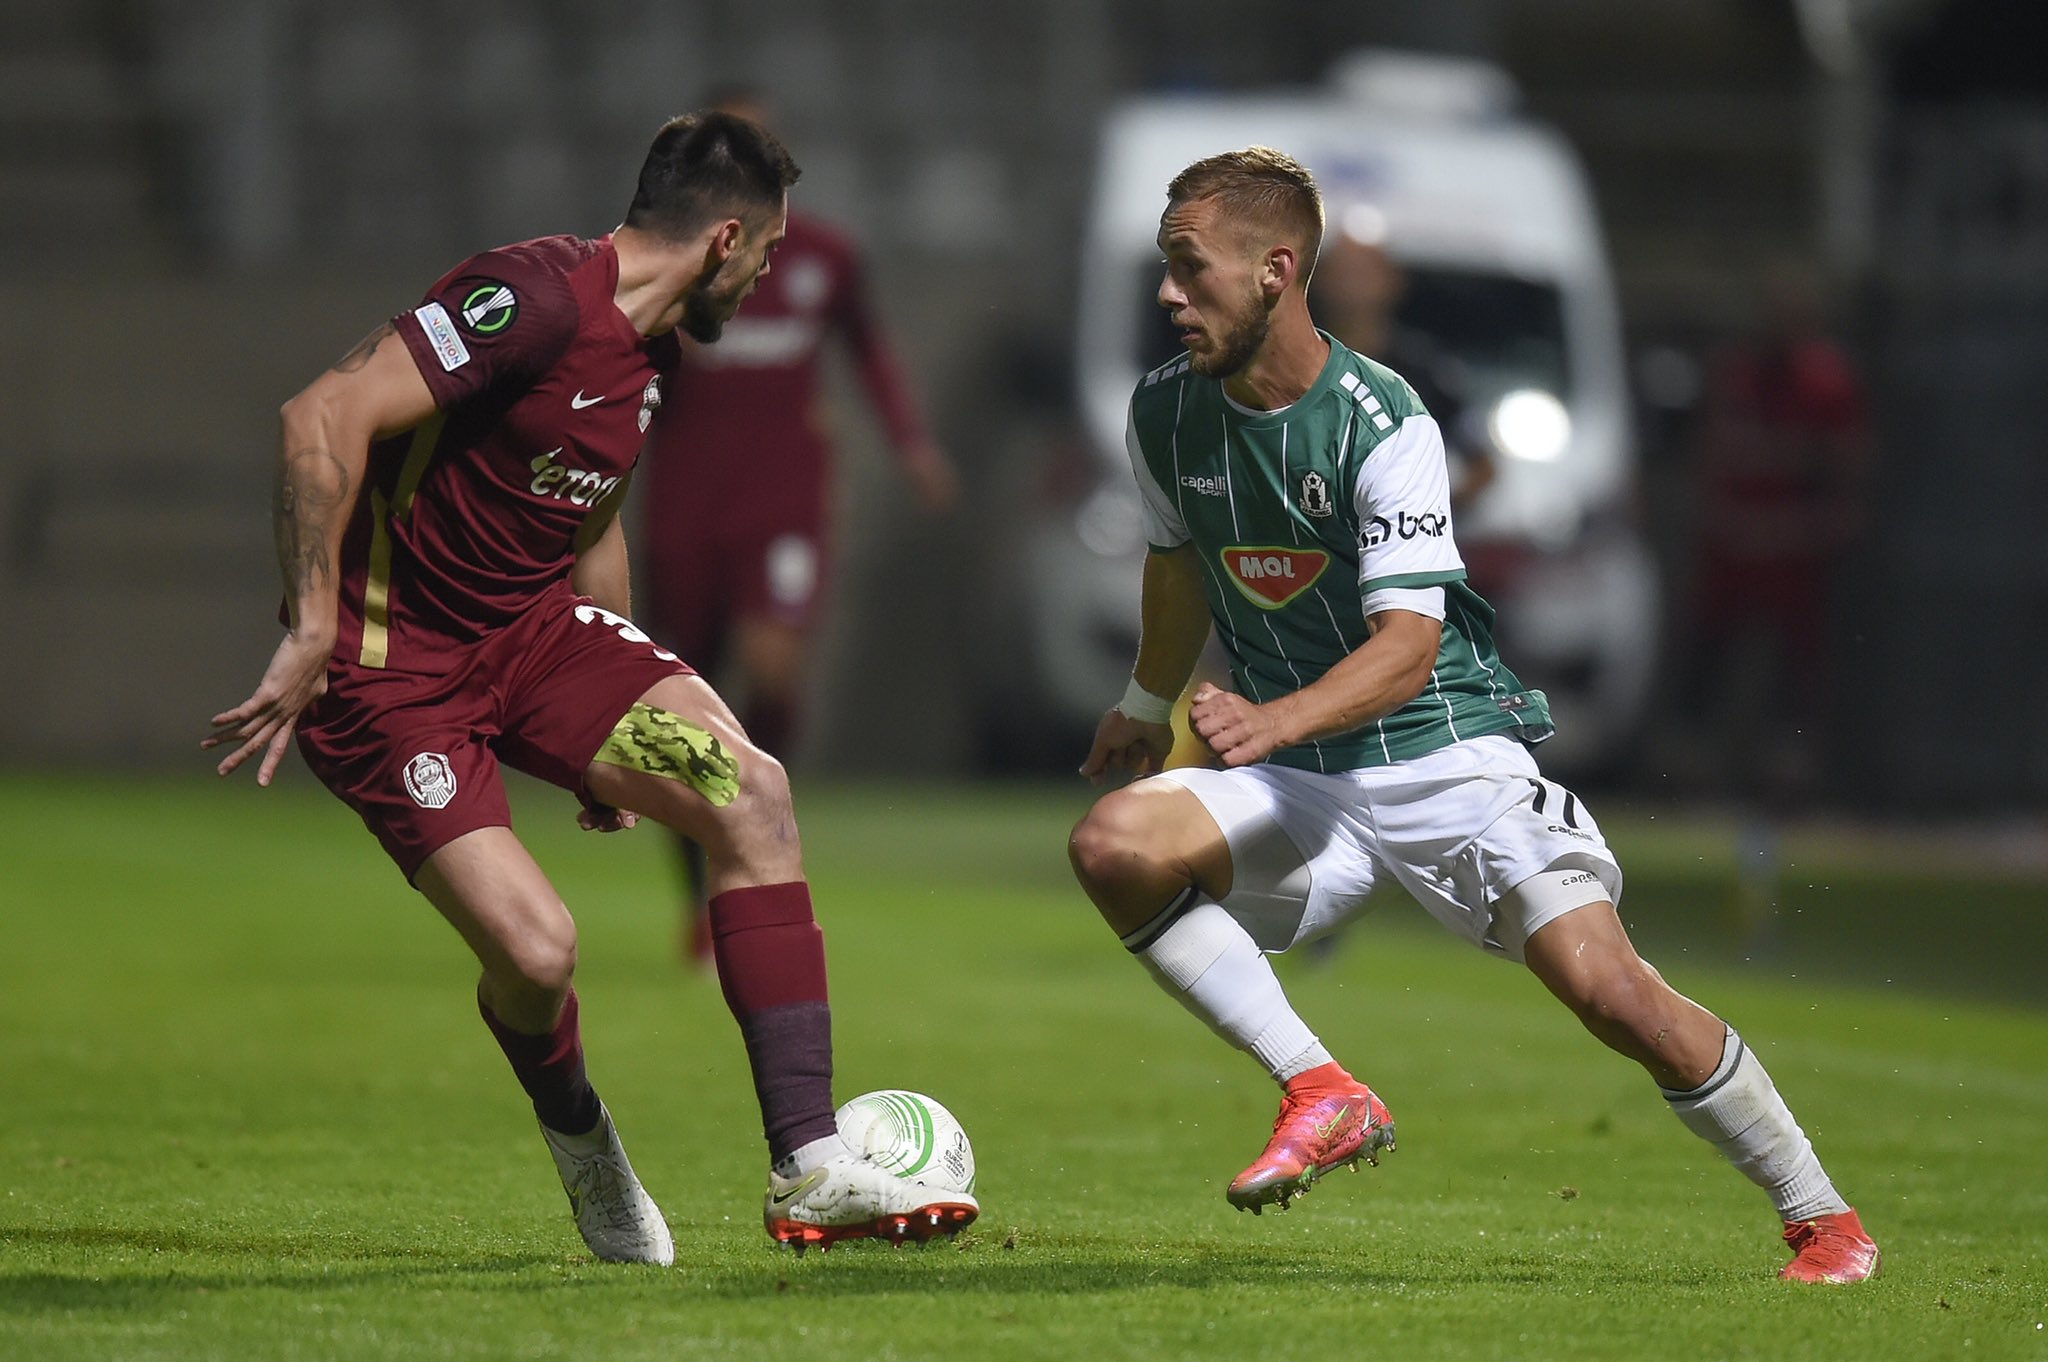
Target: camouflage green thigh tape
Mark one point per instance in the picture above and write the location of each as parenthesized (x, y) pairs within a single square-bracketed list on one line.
[(668, 745)]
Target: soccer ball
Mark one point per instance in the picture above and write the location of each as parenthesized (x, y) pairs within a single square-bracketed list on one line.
[(910, 1135)]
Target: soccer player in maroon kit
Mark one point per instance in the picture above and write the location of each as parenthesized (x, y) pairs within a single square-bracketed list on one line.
[(737, 484), (456, 597)]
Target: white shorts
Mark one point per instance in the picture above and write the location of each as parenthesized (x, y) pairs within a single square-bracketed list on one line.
[(1460, 828)]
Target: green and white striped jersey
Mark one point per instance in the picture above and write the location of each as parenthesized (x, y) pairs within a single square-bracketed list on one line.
[(1305, 520)]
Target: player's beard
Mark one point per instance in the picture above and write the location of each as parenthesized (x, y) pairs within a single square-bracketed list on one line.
[(704, 314), (1240, 343), (709, 305)]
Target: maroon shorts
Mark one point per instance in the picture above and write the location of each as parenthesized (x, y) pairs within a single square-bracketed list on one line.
[(416, 755), (703, 580)]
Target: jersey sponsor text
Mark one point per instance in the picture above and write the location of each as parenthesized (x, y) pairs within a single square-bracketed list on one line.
[(577, 486), (1270, 576)]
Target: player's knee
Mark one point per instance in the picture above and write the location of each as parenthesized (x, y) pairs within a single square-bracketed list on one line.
[(767, 787), (755, 833), (762, 807), (1110, 846), (542, 957)]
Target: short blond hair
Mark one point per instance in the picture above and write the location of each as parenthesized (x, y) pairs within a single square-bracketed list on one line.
[(1260, 188)]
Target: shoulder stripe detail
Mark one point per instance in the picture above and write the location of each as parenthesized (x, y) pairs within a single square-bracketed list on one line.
[(1363, 396), (1173, 368)]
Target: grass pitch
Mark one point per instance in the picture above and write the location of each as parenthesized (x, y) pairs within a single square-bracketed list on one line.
[(249, 1111)]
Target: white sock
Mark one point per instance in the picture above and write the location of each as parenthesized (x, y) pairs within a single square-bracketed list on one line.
[(1739, 1112), (803, 1159), (1202, 956)]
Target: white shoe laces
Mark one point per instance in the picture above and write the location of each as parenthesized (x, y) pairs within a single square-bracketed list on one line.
[(603, 1186)]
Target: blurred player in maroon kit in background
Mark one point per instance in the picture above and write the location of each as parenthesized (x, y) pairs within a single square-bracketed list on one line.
[(737, 485), (456, 597), (1783, 449)]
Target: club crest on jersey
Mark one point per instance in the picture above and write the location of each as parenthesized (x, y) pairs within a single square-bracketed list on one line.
[(489, 308), (1271, 576), (1315, 496), (430, 780), (650, 398)]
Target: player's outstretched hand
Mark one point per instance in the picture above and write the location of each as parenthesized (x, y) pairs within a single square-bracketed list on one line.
[(1124, 743), (1237, 731), (596, 817), (295, 678)]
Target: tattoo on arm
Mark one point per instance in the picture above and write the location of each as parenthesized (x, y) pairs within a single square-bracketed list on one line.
[(312, 487), (364, 348)]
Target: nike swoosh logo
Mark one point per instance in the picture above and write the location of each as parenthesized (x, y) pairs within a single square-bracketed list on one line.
[(579, 401), (1325, 1129), (778, 1200)]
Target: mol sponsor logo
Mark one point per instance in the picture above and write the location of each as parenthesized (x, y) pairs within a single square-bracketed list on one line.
[(1271, 576)]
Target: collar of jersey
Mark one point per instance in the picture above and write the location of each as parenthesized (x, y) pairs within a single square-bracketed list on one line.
[(1332, 366)]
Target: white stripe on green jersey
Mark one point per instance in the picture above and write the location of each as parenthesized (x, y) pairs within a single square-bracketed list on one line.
[(1296, 516)]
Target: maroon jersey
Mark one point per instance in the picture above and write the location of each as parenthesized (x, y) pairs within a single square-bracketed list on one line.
[(545, 391), (1781, 460), (744, 422)]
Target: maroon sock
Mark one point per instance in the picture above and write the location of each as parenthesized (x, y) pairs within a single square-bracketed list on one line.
[(550, 1068), (771, 965)]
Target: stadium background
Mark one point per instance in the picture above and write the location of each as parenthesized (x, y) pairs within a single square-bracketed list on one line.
[(249, 1110), (203, 201)]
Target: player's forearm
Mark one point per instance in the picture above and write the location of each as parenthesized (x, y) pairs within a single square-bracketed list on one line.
[(315, 493), (1173, 623), (1386, 672)]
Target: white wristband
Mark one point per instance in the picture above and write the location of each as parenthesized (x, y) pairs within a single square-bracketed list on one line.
[(1142, 705)]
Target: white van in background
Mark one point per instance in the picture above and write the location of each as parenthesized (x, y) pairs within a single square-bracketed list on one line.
[(1490, 219)]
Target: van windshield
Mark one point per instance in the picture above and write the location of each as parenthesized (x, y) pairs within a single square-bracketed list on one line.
[(1502, 332)]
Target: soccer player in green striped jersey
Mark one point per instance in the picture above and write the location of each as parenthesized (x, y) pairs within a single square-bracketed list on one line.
[(1297, 503)]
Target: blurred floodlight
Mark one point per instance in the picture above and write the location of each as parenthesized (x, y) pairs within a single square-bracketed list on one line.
[(1531, 424)]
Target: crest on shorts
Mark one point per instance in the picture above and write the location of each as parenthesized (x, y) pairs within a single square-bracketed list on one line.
[(650, 398), (430, 780), (1315, 495)]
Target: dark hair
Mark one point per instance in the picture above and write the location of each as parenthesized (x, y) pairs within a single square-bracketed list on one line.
[(707, 166), (1262, 188)]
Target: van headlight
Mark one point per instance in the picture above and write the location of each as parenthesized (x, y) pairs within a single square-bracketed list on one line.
[(1531, 424)]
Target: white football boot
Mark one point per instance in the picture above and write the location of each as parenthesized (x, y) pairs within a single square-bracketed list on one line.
[(617, 1218), (848, 1197)]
